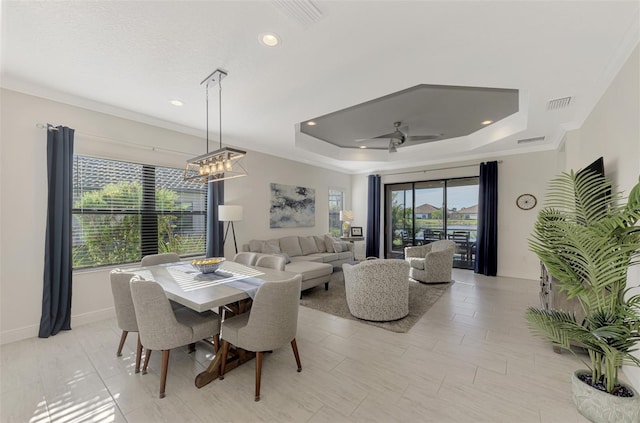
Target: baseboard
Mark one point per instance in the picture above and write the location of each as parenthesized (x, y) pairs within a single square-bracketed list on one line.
[(31, 331)]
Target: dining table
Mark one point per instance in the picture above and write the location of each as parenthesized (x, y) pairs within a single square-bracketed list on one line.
[(231, 288)]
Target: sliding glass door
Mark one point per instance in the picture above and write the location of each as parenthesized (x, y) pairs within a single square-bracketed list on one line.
[(418, 213)]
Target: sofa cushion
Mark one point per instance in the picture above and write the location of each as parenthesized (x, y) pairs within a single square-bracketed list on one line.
[(271, 246), (308, 245), (345, 255), (340, 246), (311, 257), (324, 257), (255, 245), (309, 269), (322, 248), (291, 246)]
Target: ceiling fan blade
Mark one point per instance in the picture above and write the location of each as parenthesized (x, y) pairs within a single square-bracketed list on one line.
[(430, 137), (393, 134)]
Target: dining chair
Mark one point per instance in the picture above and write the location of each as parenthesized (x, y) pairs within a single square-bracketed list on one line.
[(245, 258), (163, 258), (271, 323), (271, 262), (154, 259), (162, 328), (125, 312)]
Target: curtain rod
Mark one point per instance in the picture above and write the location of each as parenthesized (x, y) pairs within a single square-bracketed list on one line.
[(431, 170), (48, 126)]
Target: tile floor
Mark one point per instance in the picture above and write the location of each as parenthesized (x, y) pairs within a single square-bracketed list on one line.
[(469, 359)]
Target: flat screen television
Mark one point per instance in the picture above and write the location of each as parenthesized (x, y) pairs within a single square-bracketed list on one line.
[(598, 167)]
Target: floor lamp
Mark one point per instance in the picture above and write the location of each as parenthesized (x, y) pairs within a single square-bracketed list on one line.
[(230, 214)]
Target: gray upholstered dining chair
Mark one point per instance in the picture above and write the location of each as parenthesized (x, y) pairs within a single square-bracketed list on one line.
[(163, 258), (377, 290), (154, 259), (245, 258), (271, 262), (162, 328), (271, 323), (125, 312)]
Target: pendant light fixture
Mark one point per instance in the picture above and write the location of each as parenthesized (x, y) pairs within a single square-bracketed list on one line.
[(223, 163)]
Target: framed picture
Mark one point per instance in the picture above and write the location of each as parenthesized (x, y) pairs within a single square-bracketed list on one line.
[(356, 231)]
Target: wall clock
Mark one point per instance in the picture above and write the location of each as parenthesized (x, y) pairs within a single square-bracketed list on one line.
[(526, 201)]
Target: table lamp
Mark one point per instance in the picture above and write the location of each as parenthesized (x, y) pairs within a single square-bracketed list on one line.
[(346, 216)]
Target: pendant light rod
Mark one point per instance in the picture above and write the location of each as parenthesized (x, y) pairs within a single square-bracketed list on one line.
[(214, 77)]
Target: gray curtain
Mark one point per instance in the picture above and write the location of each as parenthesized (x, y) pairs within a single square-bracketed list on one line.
[(56, 293), (372, 242), (487, 239), (215, 228)]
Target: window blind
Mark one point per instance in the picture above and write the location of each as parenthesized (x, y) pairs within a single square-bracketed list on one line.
[(123, 211)]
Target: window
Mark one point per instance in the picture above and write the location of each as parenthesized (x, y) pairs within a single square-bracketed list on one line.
[(124, 211), (422, 212), (336, 203)]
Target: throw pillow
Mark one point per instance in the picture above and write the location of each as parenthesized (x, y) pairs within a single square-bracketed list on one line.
[(287, 259), (322, 248), (308, 245), (340, 246), (328, 242)]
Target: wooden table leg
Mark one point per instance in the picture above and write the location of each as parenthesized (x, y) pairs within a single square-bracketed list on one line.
[(235, 359)]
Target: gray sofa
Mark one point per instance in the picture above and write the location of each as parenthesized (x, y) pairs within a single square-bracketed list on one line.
[(314, 257)]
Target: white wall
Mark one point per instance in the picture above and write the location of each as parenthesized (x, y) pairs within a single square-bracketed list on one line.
[(517, 174), (612, 130), (24, 197)]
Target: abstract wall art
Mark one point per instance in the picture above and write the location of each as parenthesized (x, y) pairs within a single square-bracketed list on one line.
[(292, 207)]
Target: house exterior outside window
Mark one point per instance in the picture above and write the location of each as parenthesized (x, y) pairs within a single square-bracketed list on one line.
[(124, 211), (336, 203)]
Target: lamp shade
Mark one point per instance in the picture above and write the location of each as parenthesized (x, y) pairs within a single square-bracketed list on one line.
[(346, 215), (230, 213)]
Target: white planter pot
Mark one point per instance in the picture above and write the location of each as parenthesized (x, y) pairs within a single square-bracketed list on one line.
[(601, 407)]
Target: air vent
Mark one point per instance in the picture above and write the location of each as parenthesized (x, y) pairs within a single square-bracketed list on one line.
[(302, 11), (528, 140), (558, 103)]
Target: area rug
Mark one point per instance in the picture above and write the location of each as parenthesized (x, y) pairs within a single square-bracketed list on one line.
[(334, 301)]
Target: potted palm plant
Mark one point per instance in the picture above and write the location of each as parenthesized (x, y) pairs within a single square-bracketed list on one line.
[(587, 238)]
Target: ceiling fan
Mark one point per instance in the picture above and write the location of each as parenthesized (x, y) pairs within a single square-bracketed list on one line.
[(400, 135)]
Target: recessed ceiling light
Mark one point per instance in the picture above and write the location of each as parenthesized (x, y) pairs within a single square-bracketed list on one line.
[(363, 146), (177, 103), (269, 39), (486, 122), (311, 123)]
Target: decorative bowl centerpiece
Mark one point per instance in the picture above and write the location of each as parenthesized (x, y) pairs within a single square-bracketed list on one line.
[(208, 265)]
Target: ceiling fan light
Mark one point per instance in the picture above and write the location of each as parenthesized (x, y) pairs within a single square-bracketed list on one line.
[(392, 147)]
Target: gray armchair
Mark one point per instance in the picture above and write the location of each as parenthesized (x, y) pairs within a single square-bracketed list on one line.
[(431, 263), (271, 323), (377, 290), (162, 328)]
